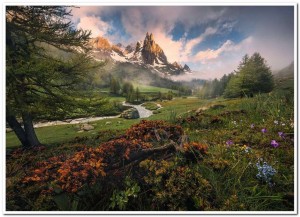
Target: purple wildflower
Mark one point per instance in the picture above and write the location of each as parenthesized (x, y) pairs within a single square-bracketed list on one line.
[(264, 130), (274, 143), (281, 134), (252, 126), (229, 142)]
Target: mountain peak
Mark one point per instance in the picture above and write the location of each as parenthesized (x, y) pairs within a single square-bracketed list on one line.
[(186, 68), (151, 37), (177, 65), (152, 52), (100, 43), (145, 53)]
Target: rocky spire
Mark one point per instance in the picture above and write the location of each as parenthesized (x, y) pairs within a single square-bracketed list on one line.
[(152, 52), (186, 68), (137, 47), (151, 37)]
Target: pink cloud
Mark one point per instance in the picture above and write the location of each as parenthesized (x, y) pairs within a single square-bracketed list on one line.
[(226, 47), (94, 24)]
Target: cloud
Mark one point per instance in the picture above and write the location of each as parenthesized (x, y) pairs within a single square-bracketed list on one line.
[(171, 48), (210, 64), (213, 54), (270, 28), (94, 24), (190, 44), (227, 46)]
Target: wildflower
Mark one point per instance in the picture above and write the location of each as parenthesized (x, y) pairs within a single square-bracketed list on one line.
[(274, 143), (281, 134), (264, 130), (265, 172), (283, 124), (234, 122), (247, 150), (229, 142), (252, 126), (276, 122)]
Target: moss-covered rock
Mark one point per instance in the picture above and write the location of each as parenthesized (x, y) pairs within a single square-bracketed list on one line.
[(130, 114)]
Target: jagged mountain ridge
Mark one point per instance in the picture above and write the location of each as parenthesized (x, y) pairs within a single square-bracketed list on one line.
[(145, 53)]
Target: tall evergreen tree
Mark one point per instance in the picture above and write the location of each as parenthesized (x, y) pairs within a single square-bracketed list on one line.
[(252, 76), (45, 60)]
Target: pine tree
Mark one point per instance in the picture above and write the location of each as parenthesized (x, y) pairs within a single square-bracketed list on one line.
[(45, 60), (253, 76)]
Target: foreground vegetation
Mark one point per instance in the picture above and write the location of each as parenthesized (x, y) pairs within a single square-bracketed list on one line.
[(228, 155)]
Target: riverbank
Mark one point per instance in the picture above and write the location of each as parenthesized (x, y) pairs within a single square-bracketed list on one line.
[(65, 131), (143, 112)]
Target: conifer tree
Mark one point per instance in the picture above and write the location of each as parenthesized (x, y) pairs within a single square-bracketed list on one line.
[(46, 58)]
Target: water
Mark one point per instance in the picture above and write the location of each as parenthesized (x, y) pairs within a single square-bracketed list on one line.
[(144, 113), (72, 121)]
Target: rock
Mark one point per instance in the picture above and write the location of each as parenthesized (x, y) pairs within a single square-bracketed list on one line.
[(130, 114), (186, 68), (152, 52), (87, 127)]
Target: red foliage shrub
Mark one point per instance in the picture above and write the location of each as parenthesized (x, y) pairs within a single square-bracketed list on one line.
[(90, 164), (149, 131), (194, 146)]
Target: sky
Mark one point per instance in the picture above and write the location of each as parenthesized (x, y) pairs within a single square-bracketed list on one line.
[(211, 40)]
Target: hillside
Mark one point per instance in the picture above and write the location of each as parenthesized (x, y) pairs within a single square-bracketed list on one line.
[(284, 80), (286, 72)]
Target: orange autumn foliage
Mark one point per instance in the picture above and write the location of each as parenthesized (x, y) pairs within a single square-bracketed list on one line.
[(194, 146), (90, 164)]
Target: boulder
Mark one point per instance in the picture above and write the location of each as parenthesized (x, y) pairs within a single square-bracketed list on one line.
[(87, 127), (132, 113)]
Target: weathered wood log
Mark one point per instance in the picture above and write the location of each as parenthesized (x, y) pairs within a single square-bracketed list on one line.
[(143, 154)]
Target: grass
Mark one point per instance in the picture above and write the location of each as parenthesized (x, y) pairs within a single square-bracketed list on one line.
[(64, 133), (223, 179), (151, 89), (150, 106)]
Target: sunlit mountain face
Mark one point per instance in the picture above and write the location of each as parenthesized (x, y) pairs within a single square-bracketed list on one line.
[(207, 41)]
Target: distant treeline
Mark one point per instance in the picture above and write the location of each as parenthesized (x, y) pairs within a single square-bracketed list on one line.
[(135, 74), (252, 76), (134, 95)]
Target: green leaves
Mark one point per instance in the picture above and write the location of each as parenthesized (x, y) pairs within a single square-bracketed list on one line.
[(120, 199), (253, 76)]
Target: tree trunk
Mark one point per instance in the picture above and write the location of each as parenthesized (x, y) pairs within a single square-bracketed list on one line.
[(17, 128), (29, 130), (143, 154)]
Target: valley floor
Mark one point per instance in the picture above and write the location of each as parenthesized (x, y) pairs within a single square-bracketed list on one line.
[(231, 155)]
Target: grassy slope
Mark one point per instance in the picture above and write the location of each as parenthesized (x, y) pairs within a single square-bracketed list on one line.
[(64, 133), (230, 172), (148, 88), (178, 107)]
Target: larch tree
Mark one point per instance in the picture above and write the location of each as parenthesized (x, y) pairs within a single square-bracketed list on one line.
[(46, 59), (253, 76)]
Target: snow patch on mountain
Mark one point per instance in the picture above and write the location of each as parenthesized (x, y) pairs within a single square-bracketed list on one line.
[(117, 57)]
